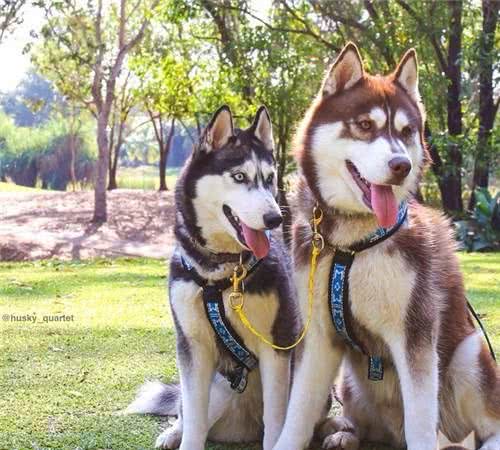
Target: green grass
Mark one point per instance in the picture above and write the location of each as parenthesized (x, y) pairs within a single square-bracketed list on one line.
[(144, 177), (482, 280), (60, 383), (12, 187)]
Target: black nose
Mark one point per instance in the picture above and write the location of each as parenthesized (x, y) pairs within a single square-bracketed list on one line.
[(272, 220), (400, 167)]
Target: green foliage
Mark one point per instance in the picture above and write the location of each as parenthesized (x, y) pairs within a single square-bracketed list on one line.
[(32, 102), (482, 231), (29, 155), (198, 54)]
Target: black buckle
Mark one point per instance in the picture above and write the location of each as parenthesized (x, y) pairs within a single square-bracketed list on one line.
[(239, 379)]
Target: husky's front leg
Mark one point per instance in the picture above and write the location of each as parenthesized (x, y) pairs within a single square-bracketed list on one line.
[(196, 375), (316, 367), (275, 374), (418, 375)]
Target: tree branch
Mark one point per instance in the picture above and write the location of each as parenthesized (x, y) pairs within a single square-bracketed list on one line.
[(434, 42)]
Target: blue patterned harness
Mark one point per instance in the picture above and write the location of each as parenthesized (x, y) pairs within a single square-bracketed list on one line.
[(214, 307), (338, 288)]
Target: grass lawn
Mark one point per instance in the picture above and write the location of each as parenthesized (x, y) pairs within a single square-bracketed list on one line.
[(144, 177), (60, 382), (12, 187)]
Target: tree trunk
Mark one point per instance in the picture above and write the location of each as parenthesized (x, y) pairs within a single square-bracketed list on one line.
[(487, 108), (164, 151), (452, 178), (113, 164), (112, 184), (281, 158), (437, 163), (100, 205), (72, 149), (287, 214), (163, 172)]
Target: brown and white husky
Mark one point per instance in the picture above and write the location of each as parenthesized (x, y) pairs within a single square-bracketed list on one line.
[(361, 152)]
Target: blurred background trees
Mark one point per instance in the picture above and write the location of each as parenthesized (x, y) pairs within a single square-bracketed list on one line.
[(142, 78)]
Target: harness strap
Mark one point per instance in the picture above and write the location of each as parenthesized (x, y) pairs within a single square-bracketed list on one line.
[(338, 289), (338, 295), (483, 330), (226, 334)]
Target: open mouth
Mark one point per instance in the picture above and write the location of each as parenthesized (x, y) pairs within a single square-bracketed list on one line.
[(362, 183), (378, 197), (255, 240)]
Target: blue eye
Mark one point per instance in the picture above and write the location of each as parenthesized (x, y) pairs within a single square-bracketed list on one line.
[(239, 177), (270, 178)]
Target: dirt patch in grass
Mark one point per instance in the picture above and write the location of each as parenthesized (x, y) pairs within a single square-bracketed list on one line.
[(44, 225)]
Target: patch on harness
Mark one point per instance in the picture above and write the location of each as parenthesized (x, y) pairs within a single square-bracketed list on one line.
[(338, 294)]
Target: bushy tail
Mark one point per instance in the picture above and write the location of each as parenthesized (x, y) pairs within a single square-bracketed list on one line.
[(155, 397)]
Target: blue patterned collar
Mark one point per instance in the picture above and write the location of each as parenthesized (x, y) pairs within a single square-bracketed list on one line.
[(381, 234)]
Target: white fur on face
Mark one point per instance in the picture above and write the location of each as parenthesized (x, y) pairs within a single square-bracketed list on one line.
[(371, 159), (400, 120), (379, 116), (247, 201)]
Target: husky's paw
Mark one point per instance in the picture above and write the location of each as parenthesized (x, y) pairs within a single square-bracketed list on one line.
[(169, 439), (333, 424), (342, 440)]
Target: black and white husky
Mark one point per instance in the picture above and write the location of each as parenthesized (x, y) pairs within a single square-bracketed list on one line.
[(226, 205)]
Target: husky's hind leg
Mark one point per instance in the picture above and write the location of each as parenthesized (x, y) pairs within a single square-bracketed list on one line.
[(220, 398), (488, 427), (475, 384), (171, 438), (161, 399)]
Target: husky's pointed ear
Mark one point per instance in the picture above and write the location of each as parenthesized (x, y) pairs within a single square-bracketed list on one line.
[(263, 128), (345, 72), (219, 130), (406, 74)]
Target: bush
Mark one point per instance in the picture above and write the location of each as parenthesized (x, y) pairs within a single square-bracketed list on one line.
[(32, 155), (481, 232)]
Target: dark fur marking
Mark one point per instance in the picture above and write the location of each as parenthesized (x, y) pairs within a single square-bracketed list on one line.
[(177, 272), (428, 248)]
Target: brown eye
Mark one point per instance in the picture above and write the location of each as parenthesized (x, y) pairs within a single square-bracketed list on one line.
[(365, 125), (406, 131)]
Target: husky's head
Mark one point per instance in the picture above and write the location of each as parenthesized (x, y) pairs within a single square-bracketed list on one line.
[(227, 191), (361, 144)]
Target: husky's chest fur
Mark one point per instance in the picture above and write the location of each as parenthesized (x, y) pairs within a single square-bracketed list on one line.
[(269, 304), (380, 287), (388, 283)]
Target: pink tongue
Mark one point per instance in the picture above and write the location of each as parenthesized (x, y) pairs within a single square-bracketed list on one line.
[(256, 240), (384, 205)]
